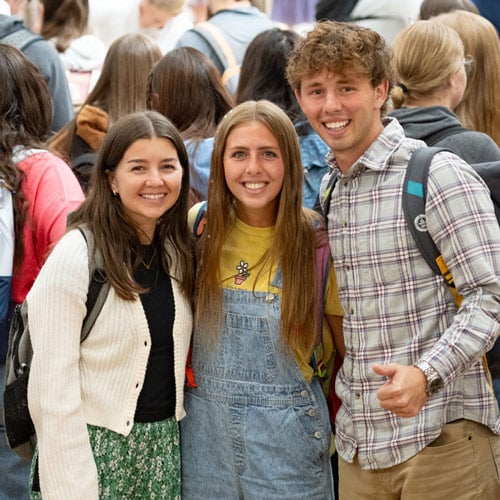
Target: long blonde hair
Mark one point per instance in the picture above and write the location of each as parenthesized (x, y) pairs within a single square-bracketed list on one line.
[(480, 106), (294, 239)]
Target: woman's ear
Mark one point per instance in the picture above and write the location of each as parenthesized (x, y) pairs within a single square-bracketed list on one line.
[(111, 181)]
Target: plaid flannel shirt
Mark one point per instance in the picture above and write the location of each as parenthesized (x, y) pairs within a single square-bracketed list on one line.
[(398, 311)]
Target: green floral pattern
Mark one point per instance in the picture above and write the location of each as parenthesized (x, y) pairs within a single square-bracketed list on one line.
[(144, 464)]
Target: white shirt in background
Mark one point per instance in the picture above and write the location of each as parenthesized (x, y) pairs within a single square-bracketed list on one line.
[(113, 18)]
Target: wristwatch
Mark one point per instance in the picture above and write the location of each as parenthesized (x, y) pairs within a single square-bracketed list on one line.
[(434, 381)]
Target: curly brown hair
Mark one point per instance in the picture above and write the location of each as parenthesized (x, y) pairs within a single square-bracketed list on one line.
[(338, 48)]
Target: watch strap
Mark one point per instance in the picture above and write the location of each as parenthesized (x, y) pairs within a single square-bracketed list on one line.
[(434, 381)]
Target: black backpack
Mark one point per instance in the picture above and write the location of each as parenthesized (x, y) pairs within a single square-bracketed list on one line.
[(19, 427), (414, 197)]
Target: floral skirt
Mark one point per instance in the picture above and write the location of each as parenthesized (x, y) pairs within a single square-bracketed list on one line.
[(144, 464)]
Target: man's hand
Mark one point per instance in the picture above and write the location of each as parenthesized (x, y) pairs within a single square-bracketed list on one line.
[(404, 391)]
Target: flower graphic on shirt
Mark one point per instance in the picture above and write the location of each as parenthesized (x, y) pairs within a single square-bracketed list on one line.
[(243, 273)]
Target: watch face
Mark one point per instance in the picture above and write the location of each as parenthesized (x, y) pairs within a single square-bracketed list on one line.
[(434, 386)]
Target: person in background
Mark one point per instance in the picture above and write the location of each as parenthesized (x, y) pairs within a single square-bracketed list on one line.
[(236, 22), (186, 71), (120, 89), (257, 422), (431, 8), (263, 76), (424, 99), (47, 60), (418, 417), (106, 411), (480, 106), (44, 192), (163, 20), (386, 17), (65, 24)]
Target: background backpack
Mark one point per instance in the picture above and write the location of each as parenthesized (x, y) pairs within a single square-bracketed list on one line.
[(18, 424)]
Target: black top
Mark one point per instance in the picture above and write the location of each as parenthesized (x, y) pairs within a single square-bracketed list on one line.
[(157, 399)]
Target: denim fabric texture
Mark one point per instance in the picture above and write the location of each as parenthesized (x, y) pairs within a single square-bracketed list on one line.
[(254, 427), (14, 471), (200, 154), (312, 152)]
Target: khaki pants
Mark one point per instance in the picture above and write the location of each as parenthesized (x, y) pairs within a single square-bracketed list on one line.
[(462, 463)]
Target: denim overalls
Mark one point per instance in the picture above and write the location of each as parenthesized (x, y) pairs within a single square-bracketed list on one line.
[(255, 429)]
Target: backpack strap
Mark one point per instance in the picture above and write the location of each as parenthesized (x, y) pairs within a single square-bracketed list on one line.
[(322, 269), (98, 285), (322, 204), (199, 223), (21, 38), (200, 219), (413, 200), (220, 45)]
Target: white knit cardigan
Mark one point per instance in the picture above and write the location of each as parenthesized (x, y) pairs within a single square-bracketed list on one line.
[(97, 382)]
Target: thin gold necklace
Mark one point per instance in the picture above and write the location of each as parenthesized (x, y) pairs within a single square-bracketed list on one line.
[(148, 265)]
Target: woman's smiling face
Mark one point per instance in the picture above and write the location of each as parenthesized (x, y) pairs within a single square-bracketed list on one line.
[(148, 181), (254, 169)]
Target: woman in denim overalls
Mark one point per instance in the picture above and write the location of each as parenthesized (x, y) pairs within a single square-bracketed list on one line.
[(257, 424)]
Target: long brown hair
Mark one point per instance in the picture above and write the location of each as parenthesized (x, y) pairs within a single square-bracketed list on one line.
[(294, 235), (25, 117), (186, 87), (114, 233), (121, 87)]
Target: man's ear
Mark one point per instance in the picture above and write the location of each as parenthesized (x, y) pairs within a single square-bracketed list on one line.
[(381, 91), (298, 96)]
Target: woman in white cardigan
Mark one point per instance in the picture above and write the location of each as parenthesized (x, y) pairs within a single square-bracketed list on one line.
[(106, 411)]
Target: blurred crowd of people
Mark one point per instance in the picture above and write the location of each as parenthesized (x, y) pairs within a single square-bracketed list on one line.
[(194, 138)]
